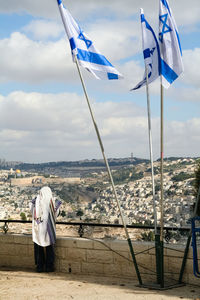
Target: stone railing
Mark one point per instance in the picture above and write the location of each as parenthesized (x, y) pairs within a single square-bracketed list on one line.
[(106, 257)]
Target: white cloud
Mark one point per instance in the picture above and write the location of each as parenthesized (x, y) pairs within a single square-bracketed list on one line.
[(182, 138), (191, 59), (50, 127), (185, 12), (118, 39), (45, 8), (42, 29), (24, 60), (37, 61)]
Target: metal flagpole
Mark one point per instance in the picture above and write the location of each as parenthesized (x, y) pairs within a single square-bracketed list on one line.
[(158, 248), (161, 167), (109, 173), (151, 151), (161, 190)]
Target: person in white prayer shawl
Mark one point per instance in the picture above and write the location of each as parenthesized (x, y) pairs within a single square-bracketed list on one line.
[(44, 210)]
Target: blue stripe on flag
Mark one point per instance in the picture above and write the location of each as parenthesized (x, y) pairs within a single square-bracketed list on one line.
[(167, 72), (157, 45), (179, 43), (92, 57), (72, 43), (146, 53), (164, 2), (112, 76)]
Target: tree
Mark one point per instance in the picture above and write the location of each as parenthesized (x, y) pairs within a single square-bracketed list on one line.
[(63, 213), (79, 213), (23, 216), (197, 184)]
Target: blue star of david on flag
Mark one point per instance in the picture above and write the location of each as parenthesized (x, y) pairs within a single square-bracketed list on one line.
[(83, 38), (83, 49), (166, 28), (151, 53), (170, 48)]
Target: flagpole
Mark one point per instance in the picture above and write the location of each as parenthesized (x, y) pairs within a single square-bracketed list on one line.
[(151, 150), (161, 187), (161, 165), (158, 247), (109, 172)]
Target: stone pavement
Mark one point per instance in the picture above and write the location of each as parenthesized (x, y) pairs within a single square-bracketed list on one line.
[(25, 285)]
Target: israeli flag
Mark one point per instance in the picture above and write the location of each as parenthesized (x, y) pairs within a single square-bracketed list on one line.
[(151, 53), (170, 48), (82, 46)]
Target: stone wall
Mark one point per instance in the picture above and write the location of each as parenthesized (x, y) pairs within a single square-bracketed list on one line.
[(41, 180), (100, 257)]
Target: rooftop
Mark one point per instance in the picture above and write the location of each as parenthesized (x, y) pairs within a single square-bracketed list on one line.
[(26, 284)]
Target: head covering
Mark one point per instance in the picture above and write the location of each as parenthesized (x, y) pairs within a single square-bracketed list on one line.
[(42, 203)]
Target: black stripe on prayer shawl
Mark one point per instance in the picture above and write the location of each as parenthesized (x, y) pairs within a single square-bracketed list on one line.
[(51, 224)]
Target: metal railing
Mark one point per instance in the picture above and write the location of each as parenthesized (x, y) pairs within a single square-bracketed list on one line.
[(82, 225)]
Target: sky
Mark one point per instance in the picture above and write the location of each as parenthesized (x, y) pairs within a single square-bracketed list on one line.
[(43, 112)]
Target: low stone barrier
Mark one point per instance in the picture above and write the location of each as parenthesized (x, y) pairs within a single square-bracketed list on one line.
[(106, 257)]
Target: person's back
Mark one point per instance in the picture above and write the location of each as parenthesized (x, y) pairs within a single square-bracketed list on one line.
[(44, 211)]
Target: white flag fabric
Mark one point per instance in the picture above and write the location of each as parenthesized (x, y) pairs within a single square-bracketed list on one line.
[(151, 53), (82, 46), (170, 48)]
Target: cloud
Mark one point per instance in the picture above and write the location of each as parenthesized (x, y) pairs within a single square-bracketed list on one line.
[(45, 8), (182, 138), (38, 127), (43, 29), (25, 60), (118, 39), (35, 61), (187, 16), (191, 59)]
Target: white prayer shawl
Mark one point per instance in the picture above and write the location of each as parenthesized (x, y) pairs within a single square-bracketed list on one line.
[(44, 213)]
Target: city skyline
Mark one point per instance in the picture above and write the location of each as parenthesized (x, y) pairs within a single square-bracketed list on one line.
[(44, 116)]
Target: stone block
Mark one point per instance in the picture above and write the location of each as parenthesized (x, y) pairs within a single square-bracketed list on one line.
[(66, 242), (97, 256), (120, 245), (189, 266), (5, 261), (9, 249), (191, 279), (22, 262), (121, 257), (3, 248), (128, 270), (6, 238), (20, 239), (102, 244), (84, 243), (175, 251), (142, 246), (70, 267), (76, 255), (92, 268), (174, 264), (57, 265), (114, 270), (60, 252), (30, 250), (145, 260), (21, 250)]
